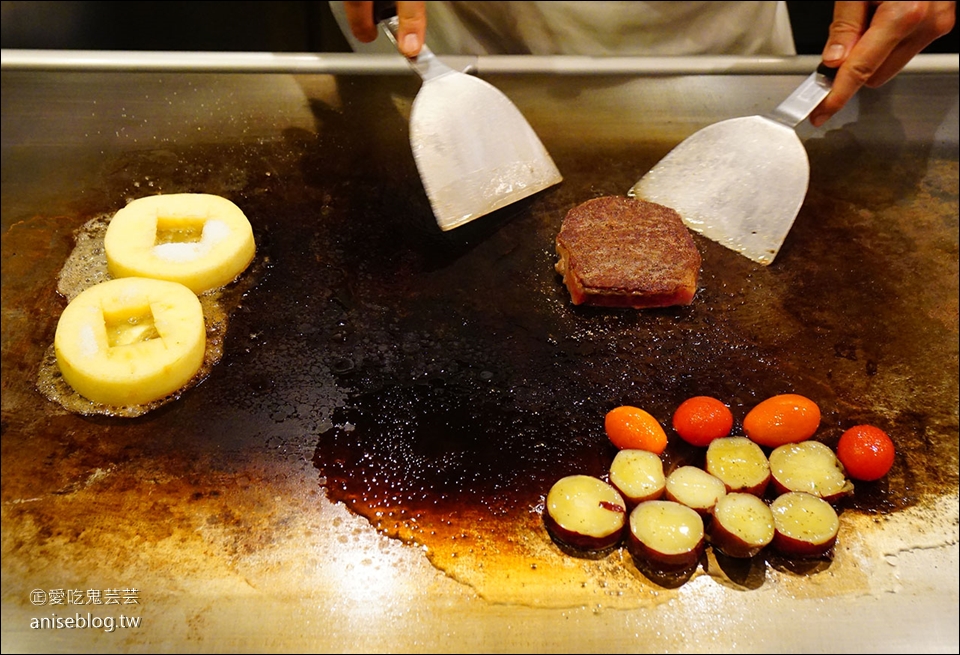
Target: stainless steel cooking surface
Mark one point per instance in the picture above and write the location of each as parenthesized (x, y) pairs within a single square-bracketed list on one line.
[(362, 470)]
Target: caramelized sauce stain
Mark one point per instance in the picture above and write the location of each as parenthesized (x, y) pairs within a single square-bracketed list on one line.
[(431, 452), (438, 383)]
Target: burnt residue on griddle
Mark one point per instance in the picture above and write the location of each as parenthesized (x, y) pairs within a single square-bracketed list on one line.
[(438, 383), (474, 384), (423, 453)]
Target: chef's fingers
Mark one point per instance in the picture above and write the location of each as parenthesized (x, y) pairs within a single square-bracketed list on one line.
[(410, 33), (360, 18), (413, 27), (913, 31), (872, 42), (850, 21)]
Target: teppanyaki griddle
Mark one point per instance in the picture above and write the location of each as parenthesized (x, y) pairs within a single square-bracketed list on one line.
[(383, 379)]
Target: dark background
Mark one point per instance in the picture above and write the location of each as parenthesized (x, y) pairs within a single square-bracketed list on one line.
[(254, 26)]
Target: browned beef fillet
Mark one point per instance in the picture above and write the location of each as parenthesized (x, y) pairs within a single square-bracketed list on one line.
[(621, 252)]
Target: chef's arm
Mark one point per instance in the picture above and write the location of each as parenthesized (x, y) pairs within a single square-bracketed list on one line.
[(870, 42), (411, 32)]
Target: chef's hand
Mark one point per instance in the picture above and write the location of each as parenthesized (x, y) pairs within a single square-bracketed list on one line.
[(870, 42), (412, 30)]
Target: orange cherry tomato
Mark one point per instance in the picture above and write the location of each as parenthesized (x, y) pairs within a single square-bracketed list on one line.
[(866, 452), (778, 420), (701, 419), (632, 427)]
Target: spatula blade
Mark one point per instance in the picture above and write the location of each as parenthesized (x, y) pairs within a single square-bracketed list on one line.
[(474, 150), (739, 182)]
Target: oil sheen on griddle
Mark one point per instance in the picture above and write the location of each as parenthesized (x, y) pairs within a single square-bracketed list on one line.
[(473, 383), (87, 266)]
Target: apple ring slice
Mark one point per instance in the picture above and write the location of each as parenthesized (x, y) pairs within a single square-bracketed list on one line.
[(130, 341), (200, 240)]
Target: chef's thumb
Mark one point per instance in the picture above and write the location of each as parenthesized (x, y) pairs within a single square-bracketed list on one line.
[(412, 29)]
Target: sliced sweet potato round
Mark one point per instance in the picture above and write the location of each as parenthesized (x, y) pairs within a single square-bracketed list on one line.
[(585, 513), (665, 535), (695, 488), (740, 464), (805, 526), (637, 475), (742, 525), (809, 466)]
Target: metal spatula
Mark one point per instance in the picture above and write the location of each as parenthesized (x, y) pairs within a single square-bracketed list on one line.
[(741, 182), (475, 151)]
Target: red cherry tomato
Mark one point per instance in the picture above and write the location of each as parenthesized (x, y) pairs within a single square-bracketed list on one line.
[(701, 419), (866, 452)]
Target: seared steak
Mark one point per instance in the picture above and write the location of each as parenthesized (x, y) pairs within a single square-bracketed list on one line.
[(620, 252)]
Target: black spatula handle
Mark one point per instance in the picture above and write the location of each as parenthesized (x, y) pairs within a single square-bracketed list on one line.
[(383, 11), (826, 71)]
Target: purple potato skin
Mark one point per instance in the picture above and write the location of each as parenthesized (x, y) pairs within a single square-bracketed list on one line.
[(634, 501), (797, 548), (730, 544), (758, 489), (663, 561), (578, 541), (779, 489), (706, 513)]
